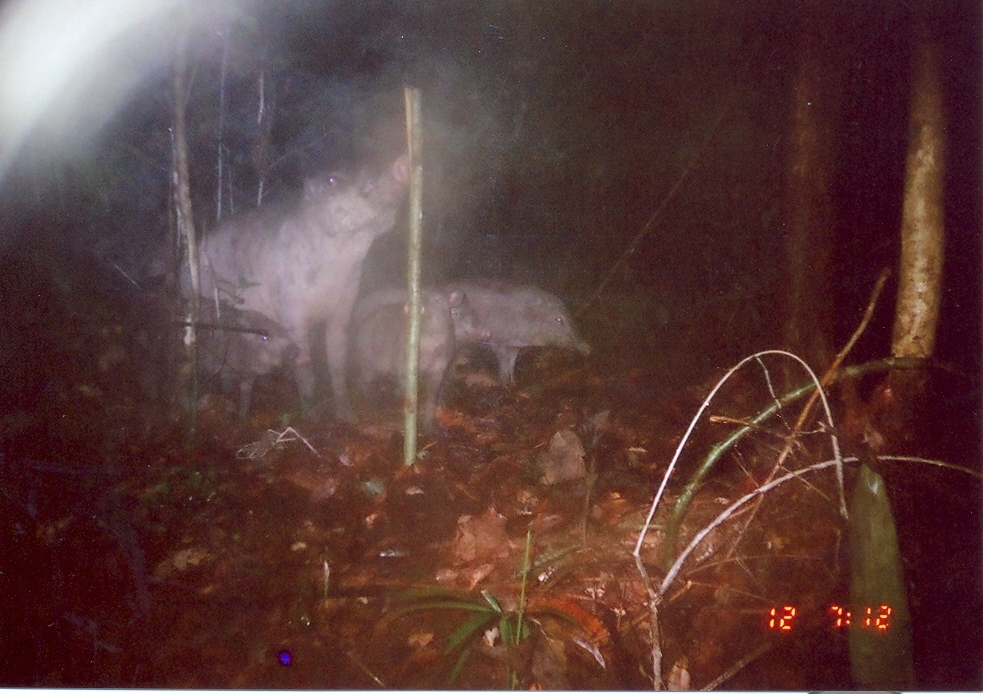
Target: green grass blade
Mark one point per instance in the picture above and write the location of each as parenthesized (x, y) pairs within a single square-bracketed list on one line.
[(505, 630), (423, 606), (491, 601), (474, 624), (459, 665), (435, 593)]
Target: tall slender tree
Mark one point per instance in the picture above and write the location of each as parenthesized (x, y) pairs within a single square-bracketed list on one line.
[(922, 246), (809, 210)]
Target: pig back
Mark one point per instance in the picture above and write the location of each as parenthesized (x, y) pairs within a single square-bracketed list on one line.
[(379, 326), (379, 340), (519, 315)]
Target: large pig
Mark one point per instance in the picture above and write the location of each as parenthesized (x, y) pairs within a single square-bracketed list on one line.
[(239, 347), (303, 268), (516, 316), (379, 338)]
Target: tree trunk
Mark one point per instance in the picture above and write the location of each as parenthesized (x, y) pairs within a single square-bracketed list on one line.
[(922, 214), (809, 210), (185, 222), (895, 403), (897, 400)]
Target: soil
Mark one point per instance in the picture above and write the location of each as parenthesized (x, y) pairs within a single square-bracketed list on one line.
[(144, 546)]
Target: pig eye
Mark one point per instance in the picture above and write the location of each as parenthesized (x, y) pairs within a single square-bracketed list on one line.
[(331, 180)]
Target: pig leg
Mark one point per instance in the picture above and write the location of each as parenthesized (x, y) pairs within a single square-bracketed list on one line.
[(245, 395), (507, 357), (435, 385), (304, 375), (336, 344), (364, 382), (429, 407), (227, 381)]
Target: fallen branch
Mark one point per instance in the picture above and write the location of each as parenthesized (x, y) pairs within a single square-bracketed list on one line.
[(270, 440), (729, 511), (655, 598), (682, 503)]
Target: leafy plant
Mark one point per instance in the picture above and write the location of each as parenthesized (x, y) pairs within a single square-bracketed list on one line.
[(485, 613), (879, 657)]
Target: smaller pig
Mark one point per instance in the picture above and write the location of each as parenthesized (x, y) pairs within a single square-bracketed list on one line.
[(379, 337), (239, 346), (514, 317)]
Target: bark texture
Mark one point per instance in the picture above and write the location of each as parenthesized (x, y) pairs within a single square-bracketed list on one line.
[(922, 220), (809, 208)]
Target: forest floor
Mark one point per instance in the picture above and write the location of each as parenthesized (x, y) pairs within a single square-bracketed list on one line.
[(285, 551)]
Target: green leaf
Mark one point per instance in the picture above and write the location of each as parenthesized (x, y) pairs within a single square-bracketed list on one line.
[(459, 665), (492, 601), (446, 605), (879, 659), (475, 623), (436, 592), (556, 613), (505, 630)]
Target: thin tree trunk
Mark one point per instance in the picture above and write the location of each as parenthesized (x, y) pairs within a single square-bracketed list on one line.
[(898, 400), (922, 215), (185, 221), (894, 405), (264, 129), (809, 209)]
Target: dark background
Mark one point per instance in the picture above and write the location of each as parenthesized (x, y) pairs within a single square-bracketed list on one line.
[(553, 132)]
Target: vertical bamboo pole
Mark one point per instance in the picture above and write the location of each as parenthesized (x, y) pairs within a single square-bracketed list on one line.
[(414, 138)]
